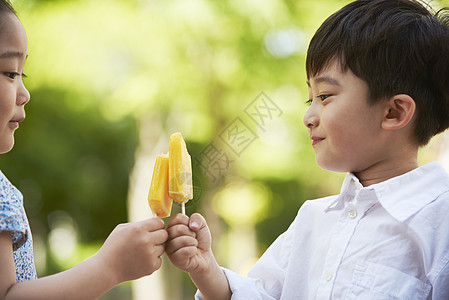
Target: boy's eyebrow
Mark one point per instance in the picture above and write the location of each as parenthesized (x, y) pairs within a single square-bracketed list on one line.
[(325, 79)]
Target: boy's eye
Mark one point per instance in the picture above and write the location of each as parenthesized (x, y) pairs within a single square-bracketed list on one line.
[(323, 97)]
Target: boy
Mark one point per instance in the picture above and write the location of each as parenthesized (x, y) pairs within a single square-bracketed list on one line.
[(378, 73)]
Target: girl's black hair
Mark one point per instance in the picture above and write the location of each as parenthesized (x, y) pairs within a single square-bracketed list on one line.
[(397, 47), (5, 6)]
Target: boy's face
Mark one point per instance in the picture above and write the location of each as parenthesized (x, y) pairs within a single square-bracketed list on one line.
[(345, 130), (13, 94)]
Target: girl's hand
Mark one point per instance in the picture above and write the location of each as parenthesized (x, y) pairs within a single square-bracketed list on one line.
[(131, 251), (134, 250)]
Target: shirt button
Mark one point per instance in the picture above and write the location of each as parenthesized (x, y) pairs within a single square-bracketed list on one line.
[(328, 276), (352, 214)]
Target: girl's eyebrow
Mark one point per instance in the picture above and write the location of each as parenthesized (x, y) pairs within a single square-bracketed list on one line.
[(12, 54)]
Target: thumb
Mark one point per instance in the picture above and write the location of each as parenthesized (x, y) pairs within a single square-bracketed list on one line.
[(198, 224)]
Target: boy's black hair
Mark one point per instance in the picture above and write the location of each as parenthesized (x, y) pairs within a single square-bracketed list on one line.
[(397, 47)]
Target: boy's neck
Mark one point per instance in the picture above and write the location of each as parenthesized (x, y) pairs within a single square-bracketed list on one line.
[(388, 169)]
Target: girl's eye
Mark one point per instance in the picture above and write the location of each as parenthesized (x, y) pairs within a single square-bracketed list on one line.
[(12, 75), (309, 102)]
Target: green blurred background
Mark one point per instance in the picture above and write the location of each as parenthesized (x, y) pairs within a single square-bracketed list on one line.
[(110, 80)]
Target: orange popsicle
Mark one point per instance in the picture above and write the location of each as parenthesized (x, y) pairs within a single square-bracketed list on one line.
[(158, 197), (180, 174)]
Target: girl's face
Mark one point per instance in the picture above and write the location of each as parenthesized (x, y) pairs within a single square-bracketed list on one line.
[(345, 130), (13, 94)]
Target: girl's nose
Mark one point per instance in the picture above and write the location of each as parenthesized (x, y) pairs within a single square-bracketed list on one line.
[(311, 118), (23, 95)]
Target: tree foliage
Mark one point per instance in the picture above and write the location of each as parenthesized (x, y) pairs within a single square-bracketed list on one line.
[(100, 69), (97, 67)]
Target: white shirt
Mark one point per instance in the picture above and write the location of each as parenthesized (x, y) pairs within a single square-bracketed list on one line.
[(386, 241)]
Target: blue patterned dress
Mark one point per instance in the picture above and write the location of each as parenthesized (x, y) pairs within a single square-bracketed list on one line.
[(13, 218)]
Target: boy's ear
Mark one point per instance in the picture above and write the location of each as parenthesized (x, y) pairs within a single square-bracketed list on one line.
[(399, 112)]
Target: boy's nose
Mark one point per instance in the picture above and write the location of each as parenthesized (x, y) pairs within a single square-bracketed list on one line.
[(310, 118)]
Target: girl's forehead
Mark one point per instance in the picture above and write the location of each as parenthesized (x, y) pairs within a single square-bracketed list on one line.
[(13, 38)]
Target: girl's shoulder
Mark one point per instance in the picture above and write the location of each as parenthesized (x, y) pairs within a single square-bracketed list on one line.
[(8, 192), (3, 181), (13, 218), (12, 212)]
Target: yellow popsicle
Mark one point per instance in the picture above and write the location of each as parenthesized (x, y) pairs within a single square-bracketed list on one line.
[(158, 197), (180, 174)]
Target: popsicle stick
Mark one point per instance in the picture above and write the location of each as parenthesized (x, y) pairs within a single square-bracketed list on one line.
[(183, 208)]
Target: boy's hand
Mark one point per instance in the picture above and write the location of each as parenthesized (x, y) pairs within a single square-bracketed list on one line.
[(134, 250), (189, 248), (189, 243)]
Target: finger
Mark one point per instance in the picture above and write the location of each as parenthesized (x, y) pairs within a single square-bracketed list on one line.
[(159, 250), (184, 254), (178, 219), (155, 265), (151, 224), (197, 222), (198, 225), (179, 230), (158, 237), (180, 242)]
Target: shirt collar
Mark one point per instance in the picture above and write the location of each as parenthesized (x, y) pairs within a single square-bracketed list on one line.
[(405, 195), (349, 189), (401, 196)]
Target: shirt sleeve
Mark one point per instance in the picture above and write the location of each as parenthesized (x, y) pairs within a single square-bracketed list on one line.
[(11, 213), (242, 288), (265, 280), (440, 288)]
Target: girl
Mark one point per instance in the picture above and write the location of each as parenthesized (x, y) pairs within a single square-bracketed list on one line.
[(131, 251)]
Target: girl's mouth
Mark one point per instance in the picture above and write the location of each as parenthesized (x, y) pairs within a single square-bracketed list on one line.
[(316, 140), (13, 124)]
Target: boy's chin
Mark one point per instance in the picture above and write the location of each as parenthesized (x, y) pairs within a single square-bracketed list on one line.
[(331, 166)]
